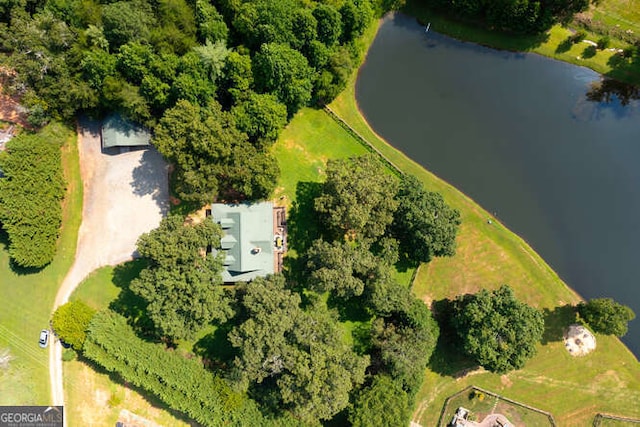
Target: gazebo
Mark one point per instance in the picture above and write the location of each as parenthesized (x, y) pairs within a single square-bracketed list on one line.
[(579, 341)]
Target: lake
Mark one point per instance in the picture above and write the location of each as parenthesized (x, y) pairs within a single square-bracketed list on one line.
[(516, 133)]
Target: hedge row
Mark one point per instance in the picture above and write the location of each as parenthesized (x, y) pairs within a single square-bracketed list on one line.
[(31, 194), (183, 384)]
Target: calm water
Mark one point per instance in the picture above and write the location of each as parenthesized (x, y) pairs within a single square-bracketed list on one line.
[(516, 133)]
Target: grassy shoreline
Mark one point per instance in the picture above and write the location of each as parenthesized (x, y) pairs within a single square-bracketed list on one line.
[(572, 389), (549, 44)]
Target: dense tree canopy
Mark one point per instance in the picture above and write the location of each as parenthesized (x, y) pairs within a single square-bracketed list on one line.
[(342, 268), (606, 316), (143, 58), (31, 193), (383, 404), (424, 224), (497, 330), (357, 198), (404, 342), (212, 156), (517, 16), (284, 71), (180, 284), (300, 352)]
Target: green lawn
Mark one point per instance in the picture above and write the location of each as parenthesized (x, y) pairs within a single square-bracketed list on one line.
[(622, 13), (27, 299), (304, 147)]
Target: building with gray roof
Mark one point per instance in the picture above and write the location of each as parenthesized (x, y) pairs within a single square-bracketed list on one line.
[(253, 239), (120, 132)]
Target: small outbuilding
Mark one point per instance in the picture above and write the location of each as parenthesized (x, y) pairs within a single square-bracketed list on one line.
[(579, 341), (119, 132)]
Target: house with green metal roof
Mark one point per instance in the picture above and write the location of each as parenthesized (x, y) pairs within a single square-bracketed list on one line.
[(253, 239), (120, 132)]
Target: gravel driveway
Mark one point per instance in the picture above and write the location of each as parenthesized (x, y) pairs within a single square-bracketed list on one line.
[(125, 195)]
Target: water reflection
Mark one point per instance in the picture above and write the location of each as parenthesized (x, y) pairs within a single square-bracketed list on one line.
[(549, 147), (608, 98)]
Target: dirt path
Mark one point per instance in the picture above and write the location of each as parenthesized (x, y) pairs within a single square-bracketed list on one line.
[(125, 195)]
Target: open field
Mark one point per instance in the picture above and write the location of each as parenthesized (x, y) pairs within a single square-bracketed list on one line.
[(304, 148), (624, 14), (27, 298)]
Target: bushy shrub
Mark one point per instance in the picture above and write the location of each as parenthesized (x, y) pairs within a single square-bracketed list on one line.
[(604, 42), (68, 355), (31, 193), (578, 36), (70, 322)]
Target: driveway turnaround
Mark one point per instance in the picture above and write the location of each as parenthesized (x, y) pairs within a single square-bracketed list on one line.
[(125, 195)]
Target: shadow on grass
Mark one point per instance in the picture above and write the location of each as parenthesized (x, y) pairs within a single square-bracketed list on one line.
[(128, 304), (556, 321), (215, 349), (565, 45), (302, 228), (302, 222), (589, 52), (626, 66), (24, 271), (353, 309), (17, 269), (148, 397), (448, 358)]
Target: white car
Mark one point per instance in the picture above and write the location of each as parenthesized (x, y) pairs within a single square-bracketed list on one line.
[(44, 338)]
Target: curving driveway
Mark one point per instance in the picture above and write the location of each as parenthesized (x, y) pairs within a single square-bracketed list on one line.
[(125, 195)]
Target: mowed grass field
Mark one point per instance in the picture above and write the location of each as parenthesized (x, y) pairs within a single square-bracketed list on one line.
[(27, 298), (624, 14)]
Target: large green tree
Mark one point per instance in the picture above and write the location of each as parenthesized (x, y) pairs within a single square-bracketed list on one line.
[(383, 404), (606, 316), (424, 224), (497, 330), (357, 198), (261, 117), (180, 283), (299, 355), (126, 21), (70, 322), (342, 268), (404, 341), (211, 156), (285, 72)]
